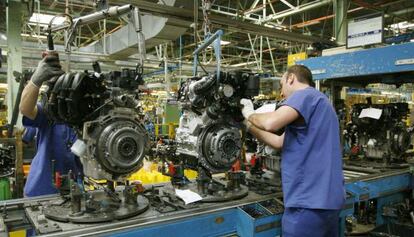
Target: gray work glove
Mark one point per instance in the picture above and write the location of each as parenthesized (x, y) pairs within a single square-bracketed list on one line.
[(46, 69)]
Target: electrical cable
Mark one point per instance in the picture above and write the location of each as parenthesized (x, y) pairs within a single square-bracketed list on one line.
[(205, 71)]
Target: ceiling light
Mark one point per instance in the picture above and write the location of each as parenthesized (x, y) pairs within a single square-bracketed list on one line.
[(44, 19), (3, 36), (34, 36), (402, 25), (224, 42)]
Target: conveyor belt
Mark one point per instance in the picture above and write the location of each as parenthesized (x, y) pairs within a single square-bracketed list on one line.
[(350, 175), (353, 176), (151, 217)]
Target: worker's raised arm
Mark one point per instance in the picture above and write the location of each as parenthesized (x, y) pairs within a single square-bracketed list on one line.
[(46, 69), (271, 121), (274, 121), (29, 99)]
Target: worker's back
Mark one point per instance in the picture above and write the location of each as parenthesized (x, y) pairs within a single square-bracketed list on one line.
[(311, 159)]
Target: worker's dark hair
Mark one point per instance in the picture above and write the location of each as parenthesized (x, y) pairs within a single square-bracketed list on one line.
[(303, 74)]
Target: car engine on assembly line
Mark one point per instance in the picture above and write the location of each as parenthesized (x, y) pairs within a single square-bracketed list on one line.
[(209, 137), (209, 127), (383, 139), (103, 108)]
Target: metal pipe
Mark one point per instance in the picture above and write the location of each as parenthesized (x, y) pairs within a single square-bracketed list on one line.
[(271, 55), (180, 60), (237, 25), (15, 115), (252, 50), (318, 20), (97, 16), (166, 76), (258, 8), (195, 13), (206, 43), (246, 17), (217, 48), (400, 12), (300, 9)]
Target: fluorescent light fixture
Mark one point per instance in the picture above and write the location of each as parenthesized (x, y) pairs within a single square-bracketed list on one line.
[(276, 26), (44, 19), (34, 36), (243, 64), (402, 25), (224, 42)]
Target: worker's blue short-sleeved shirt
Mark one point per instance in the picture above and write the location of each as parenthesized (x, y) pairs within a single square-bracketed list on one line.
[(53, 143), (311, 156), (29, 134)]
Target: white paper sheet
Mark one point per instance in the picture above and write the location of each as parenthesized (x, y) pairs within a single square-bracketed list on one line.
[(266, 108), (188, 196), (370, 113)]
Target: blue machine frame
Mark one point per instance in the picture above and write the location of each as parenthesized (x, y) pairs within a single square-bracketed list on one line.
[(225, 222), (394, 59)]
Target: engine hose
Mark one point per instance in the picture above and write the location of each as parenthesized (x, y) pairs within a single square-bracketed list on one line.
[(212, 112), (202, 87), (3, 175)]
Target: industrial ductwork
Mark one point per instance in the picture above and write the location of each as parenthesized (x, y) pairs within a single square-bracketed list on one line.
[(156, 30)]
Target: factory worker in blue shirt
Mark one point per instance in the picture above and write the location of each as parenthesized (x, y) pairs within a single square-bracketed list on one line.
[(311, 166), (53, 140)]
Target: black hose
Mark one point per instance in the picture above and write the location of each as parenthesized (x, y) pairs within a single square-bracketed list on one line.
[(15, 113), (4, 175), (204, 87)]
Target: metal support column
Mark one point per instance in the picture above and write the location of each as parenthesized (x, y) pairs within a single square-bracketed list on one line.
[(261, 37), (195, 13), (261, 54), (271, 55), (14, 56), (181, 55), (166, 76), (340, 8), (318, 85), (252, 45)]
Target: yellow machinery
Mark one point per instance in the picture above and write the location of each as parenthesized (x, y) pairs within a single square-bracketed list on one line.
[(149, 174)]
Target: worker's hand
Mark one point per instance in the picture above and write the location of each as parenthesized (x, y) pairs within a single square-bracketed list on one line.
[(46, 69), (247, 108)]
